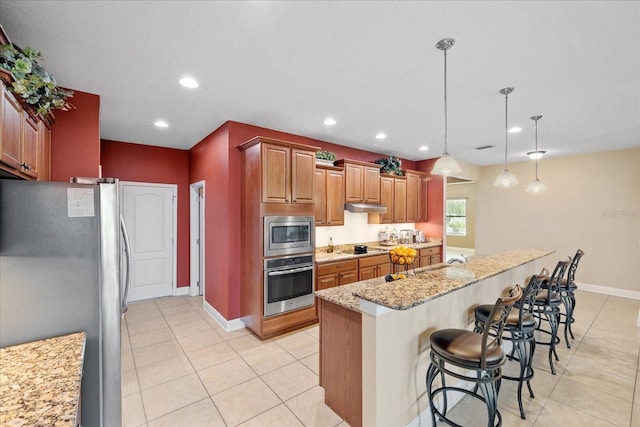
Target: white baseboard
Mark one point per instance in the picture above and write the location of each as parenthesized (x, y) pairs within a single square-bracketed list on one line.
[(616, 292), (424, 419), (227, 325), (183, 290)]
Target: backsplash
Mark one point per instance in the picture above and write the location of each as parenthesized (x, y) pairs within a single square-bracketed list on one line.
[(356, 229)]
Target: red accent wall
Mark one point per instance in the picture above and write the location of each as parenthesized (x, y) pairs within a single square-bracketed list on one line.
[(216, 161), (144, 163), (75, 139)]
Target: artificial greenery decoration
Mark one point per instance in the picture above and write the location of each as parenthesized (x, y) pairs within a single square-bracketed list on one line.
[(391, 165), (325, 155), (32, 82)]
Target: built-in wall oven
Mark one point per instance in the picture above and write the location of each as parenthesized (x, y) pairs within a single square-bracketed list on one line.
[(288, 284), (288, 235)]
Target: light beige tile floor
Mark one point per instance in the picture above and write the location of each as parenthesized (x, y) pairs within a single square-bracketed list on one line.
[(180, 368)]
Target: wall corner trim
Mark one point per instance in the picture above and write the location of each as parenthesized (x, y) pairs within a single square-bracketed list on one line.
[(227, 325)]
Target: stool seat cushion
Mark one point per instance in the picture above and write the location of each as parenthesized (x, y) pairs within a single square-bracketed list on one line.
[(483, 311), (463, 348), (543, 299)]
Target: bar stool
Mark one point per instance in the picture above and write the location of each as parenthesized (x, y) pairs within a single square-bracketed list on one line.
[(519, 330), (457, 351), (547, 308), (567, 294)]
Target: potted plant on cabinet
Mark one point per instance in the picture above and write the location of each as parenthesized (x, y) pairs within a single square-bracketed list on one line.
[(390, 165), (31, 82), (325, 157)]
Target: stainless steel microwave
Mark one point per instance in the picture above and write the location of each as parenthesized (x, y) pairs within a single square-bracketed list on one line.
[(288, 235)]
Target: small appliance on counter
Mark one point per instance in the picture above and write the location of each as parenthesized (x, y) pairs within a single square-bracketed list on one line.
[(419, 237), (406, 236), (359, 249)]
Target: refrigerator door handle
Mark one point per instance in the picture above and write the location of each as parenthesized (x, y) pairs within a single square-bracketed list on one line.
[(127, 251)]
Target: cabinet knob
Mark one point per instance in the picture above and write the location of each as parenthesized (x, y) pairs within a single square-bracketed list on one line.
[(294, 200)]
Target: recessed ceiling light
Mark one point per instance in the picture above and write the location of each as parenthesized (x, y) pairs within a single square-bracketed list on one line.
[(189, 82), (161, 124), (329, 121), (515, 129), (423, 148), (381, 135)]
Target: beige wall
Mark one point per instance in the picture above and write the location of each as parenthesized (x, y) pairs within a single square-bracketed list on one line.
[(592, 203), (464, 191)]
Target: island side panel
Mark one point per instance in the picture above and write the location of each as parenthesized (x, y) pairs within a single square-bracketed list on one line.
[(341, 360), (395, 345)]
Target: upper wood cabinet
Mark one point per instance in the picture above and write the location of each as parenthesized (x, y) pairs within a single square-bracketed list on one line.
[(287, 174), (329, 184), (11, 131), (416, 196), (24, 139), (399, 200), (362, 181), (386, 199)]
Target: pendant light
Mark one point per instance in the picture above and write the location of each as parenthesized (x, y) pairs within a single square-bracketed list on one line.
[(536, 186), (506, 178), (446, 164)]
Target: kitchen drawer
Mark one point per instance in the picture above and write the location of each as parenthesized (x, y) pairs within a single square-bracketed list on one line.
[(430, 251), (337, 267), (373, 260)]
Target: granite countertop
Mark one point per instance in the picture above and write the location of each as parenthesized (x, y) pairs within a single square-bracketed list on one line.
[(373, 249), (40, 381), (429, 282)]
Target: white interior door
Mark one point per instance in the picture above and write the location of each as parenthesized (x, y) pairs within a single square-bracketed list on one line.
[(149, 212)]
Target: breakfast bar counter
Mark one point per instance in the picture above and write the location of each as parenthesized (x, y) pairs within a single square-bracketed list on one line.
[(374, 334), (40, 382)]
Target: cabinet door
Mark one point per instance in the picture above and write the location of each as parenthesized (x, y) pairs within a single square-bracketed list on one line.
[(366, 273), (354, 183), (384, 269), (435, 259), (327, 281), (276, 174), (371, 185), (303, 165), (348, 277), (10, 134), (30, 142), (321, 197), (335, 197), (413, 197), (386, 199), (424, 261), (400, 200), (422, 204)]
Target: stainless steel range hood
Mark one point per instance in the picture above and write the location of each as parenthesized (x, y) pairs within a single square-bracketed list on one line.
[(364, 207)]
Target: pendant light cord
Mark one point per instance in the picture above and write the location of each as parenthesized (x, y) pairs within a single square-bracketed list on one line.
[(506, 130), (536, 149), (445, 102)]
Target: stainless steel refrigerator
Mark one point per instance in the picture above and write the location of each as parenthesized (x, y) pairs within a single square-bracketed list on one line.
[(60, 273)]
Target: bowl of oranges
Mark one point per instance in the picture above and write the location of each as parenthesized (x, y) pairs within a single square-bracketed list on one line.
[(402, 255)]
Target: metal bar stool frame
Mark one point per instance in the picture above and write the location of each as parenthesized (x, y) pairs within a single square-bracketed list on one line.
[(519, 330), (547, 308), (567, 294), (485, 362)]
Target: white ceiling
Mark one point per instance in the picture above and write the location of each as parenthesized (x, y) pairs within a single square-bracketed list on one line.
[(373, 66)]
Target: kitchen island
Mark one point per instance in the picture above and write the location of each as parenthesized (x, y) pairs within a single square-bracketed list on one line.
[(374, 335), (40, 382)]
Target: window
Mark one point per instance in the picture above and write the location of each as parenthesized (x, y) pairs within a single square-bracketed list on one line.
[(456, 217)]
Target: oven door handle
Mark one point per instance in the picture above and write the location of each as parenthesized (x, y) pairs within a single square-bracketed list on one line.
[(290, 271)]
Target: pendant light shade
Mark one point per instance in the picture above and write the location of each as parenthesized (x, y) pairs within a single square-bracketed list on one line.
[(536, 186), (446, 165), (506, 178)]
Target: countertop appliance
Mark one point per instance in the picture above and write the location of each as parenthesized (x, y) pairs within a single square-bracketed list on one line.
[(359, 249), (288, 284), (288, 235), (60, 273)]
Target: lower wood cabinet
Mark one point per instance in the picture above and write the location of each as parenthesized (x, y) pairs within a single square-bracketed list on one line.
[(429, 256), (374, 266), (336, 273)]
